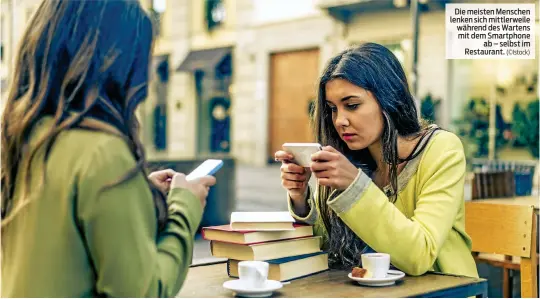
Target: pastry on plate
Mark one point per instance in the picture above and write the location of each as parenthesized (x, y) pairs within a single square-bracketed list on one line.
[(361, 273)]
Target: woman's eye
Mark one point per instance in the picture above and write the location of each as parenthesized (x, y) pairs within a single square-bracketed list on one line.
[(333, 108), (352, 106)]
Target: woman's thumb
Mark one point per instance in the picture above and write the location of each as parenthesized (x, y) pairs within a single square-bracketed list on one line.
[(179, 176), (208, 180), (178, 180)]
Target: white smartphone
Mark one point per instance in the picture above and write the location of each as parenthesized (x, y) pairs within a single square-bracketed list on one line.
[(302, 152), (208, 167)]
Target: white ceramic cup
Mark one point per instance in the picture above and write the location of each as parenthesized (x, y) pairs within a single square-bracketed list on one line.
[(376, 263), (253, 273)]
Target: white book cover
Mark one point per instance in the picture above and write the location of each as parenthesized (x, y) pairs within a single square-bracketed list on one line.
[(261, 217)]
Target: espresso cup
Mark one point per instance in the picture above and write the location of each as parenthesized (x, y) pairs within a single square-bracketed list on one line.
[(376, 263), (253, 273)]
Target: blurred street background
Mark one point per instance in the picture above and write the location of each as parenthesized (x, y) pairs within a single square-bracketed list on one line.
[(235, 79)]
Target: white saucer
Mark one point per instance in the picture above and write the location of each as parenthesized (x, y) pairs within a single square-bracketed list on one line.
[(242, 290), (390, 279)]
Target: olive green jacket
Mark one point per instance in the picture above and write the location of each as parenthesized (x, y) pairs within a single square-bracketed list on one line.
[(72, 240)]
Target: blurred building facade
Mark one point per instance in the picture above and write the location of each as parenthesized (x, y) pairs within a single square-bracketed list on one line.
[(278, 50), (238, 77), (13, 18)]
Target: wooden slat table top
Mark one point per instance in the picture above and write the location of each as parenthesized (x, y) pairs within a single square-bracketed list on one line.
[(207, 281), (522, 201)]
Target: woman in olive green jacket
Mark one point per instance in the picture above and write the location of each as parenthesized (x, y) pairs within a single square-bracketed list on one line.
[(79, 216)]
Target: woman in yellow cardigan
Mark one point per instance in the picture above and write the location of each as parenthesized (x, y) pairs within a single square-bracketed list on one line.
[(385, 181)]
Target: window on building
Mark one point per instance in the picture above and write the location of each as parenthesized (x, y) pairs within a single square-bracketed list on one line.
[(159, 5), (401, 48), (2, 37), (156, 12), (398, 51), (215, 13), (160, 65)]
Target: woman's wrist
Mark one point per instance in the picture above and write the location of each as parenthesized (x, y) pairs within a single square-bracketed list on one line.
[(299, 203)]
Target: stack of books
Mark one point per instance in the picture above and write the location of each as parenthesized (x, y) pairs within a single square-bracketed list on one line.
[(291, 249)]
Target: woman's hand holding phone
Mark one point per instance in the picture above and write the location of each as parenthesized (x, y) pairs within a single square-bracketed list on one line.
[(333, 169), (294, 178), (199, 187), (162, 179)]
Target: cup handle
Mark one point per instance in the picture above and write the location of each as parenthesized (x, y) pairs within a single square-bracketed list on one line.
[(260, 273)]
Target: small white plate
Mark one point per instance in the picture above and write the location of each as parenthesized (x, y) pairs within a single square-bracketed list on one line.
[(242, 290), (390, 279)]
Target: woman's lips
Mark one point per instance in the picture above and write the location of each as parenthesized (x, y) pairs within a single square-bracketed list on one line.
[(348, 137)]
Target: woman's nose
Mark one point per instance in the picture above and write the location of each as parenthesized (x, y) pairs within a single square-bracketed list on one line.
[(341, 120)]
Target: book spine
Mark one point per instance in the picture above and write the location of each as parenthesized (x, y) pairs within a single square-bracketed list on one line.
[(277, 278), (306, 275), (265, 242)]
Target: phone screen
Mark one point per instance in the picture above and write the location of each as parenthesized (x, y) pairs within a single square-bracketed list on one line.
[(208, 167)]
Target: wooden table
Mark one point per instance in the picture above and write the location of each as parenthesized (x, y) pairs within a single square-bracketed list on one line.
[(206, 281), (509, 227), (529, 201)]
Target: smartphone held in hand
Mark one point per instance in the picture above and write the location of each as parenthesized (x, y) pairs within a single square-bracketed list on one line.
[(302, 152), (208, 167)]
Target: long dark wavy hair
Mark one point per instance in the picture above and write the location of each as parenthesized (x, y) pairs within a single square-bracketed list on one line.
[(374, 68), (77, 60)]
